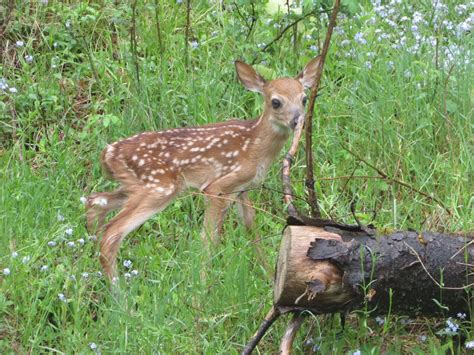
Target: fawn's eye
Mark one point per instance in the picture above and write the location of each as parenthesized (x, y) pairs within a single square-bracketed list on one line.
[(305, 100), (276, 103)]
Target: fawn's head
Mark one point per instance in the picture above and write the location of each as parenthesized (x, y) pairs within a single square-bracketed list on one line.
[(285, 98)]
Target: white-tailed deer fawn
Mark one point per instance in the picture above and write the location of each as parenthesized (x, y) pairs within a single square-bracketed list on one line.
[(221, 160)]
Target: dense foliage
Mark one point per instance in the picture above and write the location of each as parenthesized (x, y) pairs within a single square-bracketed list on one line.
[(74, 75)]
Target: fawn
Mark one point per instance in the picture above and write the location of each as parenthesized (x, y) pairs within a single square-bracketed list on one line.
[(220, 159)]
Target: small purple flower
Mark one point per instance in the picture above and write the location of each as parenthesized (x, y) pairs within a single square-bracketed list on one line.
[(62, 297), (52, 243), (19, 44), (14, 255), (127, 264), (3, 84), (6, 271), (451, 326), (359, 38), (28, 58), (69, 231), (44, 268)]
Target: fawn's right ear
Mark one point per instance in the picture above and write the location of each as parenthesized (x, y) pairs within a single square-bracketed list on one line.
[(249, 77)]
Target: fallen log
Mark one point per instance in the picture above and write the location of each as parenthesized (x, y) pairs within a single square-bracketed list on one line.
[(331, 270)]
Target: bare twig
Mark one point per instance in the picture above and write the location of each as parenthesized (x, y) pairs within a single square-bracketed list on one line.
[(158, 27), (187, 32), (287, 190), (6, 20), (313, 202), (460, 250), (133, 41), (431, 277), (396, 181), (294, 216), (14, 127), (284, 30), (270, 318), (290, 333)]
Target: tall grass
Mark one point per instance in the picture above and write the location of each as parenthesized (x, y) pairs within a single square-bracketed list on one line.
[(397, 96)]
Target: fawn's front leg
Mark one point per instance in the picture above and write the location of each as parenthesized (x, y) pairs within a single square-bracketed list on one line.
[(216, 209), (245, 210), (220, 194)]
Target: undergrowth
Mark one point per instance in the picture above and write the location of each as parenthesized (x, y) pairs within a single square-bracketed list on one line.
[(392, 137)]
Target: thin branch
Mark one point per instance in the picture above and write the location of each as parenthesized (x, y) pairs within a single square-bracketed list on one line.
[(431, 277), (232, 199), (313, 202), (285, 175), (158, 27), (187, 32), (6, 20), (290, 333), (270, 318), (284, 30), (133, 42), (396, 181), (254, 21), (14, 128), (460, 250)]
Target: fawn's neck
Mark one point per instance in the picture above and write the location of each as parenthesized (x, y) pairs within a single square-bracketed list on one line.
[(268, 138)]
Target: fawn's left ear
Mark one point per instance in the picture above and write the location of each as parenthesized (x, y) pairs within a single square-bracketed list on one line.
[(307, 76)]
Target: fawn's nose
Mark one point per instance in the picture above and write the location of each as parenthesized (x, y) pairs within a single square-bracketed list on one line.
[(294, 120)]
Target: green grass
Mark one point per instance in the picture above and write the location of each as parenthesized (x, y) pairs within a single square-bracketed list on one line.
[(408, 112)]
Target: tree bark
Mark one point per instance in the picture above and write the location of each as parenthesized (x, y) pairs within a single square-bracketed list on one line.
[(329, 270)]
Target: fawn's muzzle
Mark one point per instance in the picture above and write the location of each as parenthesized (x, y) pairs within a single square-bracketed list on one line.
[(294, 121)]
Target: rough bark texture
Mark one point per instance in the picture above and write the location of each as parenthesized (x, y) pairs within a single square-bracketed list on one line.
[(404, 272)]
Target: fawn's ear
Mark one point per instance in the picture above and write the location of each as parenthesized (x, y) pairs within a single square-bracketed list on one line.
[(307, 76), (249, 77)]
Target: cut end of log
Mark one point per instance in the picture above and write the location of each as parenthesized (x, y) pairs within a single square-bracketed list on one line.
[(301, 281)]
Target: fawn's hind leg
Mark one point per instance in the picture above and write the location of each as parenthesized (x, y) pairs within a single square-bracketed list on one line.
[(98, 205), (139, 207)]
